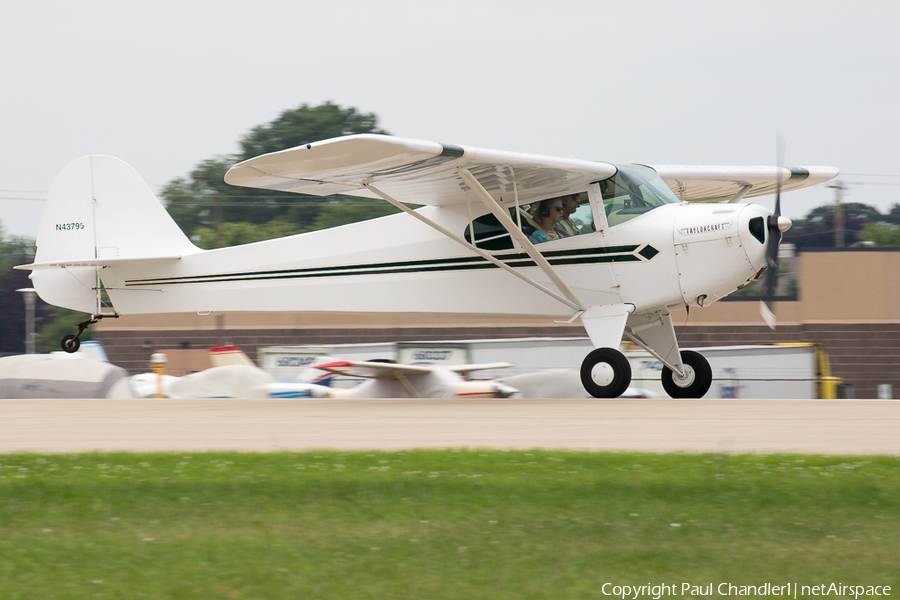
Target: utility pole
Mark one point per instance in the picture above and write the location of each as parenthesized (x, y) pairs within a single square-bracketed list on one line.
[(205, 176), (838, 188), (29, 294)]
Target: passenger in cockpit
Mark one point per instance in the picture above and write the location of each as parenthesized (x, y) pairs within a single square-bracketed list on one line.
[(546, 214)]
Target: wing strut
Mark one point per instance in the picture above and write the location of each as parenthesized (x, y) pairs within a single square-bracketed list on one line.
[(479, 251), (517, 234), (740, 195)]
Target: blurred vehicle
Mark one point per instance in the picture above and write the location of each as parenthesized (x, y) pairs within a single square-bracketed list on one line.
[(61, 375)]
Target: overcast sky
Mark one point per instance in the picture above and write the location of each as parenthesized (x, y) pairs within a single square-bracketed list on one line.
[(164, 85)]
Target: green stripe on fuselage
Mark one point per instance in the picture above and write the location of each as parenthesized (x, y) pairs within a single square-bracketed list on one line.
[(599, 255)]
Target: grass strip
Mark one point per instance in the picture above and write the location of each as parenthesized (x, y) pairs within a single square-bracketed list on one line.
[(439, 523)]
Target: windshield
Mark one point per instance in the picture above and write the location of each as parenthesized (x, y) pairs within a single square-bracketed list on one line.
[(632, 191)]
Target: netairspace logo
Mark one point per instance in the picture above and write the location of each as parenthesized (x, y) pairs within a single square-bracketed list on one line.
[(789, 590)]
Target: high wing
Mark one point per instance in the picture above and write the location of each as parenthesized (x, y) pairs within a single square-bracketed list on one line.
[(426, 173), (384, 370), (731, 184), (416, 171)]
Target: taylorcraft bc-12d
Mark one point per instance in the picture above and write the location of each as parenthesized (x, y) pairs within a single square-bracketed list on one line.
[(489, 237)]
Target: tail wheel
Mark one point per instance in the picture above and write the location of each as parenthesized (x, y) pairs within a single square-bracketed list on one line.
[(696, 380), (605, 373), (70, 343)]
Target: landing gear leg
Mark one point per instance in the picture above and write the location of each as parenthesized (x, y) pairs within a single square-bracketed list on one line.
[(696, 380), (71, 343), (605, 373)]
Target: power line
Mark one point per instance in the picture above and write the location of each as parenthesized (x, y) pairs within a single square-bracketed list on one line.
[(867, 175)]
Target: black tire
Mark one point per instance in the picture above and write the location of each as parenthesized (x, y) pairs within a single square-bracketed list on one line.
[(697, 382), (70, 343), (612, 386)]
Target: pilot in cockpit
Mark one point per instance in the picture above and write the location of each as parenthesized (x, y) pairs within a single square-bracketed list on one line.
[(566, 227)]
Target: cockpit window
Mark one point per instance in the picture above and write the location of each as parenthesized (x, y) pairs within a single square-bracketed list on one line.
[(632, 191), (556, 218), (542, 221)]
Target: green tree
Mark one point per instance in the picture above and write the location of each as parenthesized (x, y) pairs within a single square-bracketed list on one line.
[(15, 251), (234, 234), (52, 323), (881, 235), (343, 211), (816, 230), (306, 124), (893, 215), (200, 199)]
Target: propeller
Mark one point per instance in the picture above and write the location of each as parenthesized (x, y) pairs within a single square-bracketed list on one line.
[(776, 225)]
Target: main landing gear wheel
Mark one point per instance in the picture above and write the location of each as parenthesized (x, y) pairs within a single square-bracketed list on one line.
[(70, 343), (605, 373), (697, 377)]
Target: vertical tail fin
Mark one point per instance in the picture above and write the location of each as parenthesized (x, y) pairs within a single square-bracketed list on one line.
[(98, 209), (228, 355)]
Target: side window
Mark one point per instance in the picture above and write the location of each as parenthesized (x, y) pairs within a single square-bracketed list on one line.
[(489, 234), (583, 219)]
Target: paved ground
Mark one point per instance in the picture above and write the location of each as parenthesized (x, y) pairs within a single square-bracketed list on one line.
[(806, 426)]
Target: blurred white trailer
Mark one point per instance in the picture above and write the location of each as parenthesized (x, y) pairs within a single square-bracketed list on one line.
[(760, 371), (770, 371)]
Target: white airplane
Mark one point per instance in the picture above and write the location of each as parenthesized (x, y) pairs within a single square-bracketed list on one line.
[(394, 380), (386, 379), (650, 241)]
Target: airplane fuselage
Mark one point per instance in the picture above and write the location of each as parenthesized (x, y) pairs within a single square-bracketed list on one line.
[(672, 256)]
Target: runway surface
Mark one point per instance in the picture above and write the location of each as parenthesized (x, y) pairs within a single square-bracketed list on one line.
[(762, 426)]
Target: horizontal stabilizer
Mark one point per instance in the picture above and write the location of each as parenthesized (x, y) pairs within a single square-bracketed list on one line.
[(97, 262)]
